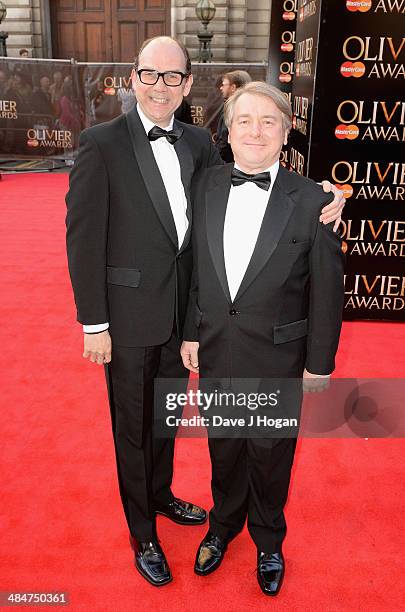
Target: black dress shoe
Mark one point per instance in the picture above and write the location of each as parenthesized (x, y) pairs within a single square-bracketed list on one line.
[(209, 554), (182, 512), (270, 572), (150, 562)]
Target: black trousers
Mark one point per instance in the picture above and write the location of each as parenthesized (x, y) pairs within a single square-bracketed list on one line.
[(144, 463), (250, 479)]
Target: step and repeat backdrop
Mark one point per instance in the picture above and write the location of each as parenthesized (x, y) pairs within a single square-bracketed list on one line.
[(282, 52), (347, 94), (44, 104)]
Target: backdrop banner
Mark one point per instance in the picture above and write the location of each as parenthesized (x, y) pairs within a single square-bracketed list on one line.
[(349, 117), (205, 98), (41, 108), (44, 104), (282, 51), (108, 91)]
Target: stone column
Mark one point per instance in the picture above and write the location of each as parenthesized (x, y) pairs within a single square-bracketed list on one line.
[(19, 26), (241, 29), (258, 30), (187, 26)]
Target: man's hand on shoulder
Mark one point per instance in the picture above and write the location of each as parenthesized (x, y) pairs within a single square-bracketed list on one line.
[(97, 347), (189, 355), (333, 211)]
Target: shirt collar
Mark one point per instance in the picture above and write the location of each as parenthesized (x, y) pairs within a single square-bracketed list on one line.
[(148, 124), (273, 170)]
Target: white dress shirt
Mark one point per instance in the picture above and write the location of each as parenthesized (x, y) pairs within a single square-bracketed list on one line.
[(169, 168), (247, 204)]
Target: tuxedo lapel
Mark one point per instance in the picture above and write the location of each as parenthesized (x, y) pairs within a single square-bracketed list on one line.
[(216, 200), (278, 212), (187, 169), (150, 173)]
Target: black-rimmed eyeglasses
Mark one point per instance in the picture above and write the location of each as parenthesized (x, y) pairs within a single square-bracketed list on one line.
[(170, 78)]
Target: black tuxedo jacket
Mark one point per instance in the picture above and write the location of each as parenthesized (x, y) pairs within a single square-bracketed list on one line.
[(287, 312), (124, 261), (221, 141)]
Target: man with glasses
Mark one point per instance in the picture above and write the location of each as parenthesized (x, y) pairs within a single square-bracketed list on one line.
[(128, 229), (128, 240)]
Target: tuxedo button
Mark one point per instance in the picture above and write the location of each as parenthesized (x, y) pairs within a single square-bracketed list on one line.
[(233, 312)]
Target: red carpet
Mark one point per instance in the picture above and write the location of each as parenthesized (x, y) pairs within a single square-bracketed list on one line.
[(62, 523)]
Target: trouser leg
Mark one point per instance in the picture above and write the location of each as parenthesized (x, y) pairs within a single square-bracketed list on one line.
[(130, 378), (229, 486), (269, 464), (170, 366)]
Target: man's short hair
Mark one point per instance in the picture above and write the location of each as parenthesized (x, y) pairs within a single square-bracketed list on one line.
[(178, 42), (260, 88), (239, 78)]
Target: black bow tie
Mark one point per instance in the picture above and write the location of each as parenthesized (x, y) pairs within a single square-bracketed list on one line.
[(171, 135), (262, 180)]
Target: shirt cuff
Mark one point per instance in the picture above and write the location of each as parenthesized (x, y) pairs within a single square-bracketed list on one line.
[(95, 329), (320, 375)]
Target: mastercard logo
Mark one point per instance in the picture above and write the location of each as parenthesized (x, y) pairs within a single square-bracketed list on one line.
[(347, 190), (285, 78), (33, 143), (109, 91), (288, 16), (346, 131), (287, 47), (352, 69), (344, 246), (358, 5)]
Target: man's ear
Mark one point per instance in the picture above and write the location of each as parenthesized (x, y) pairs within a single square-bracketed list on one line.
[(286, 135), (133, 78), (188, 85)]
